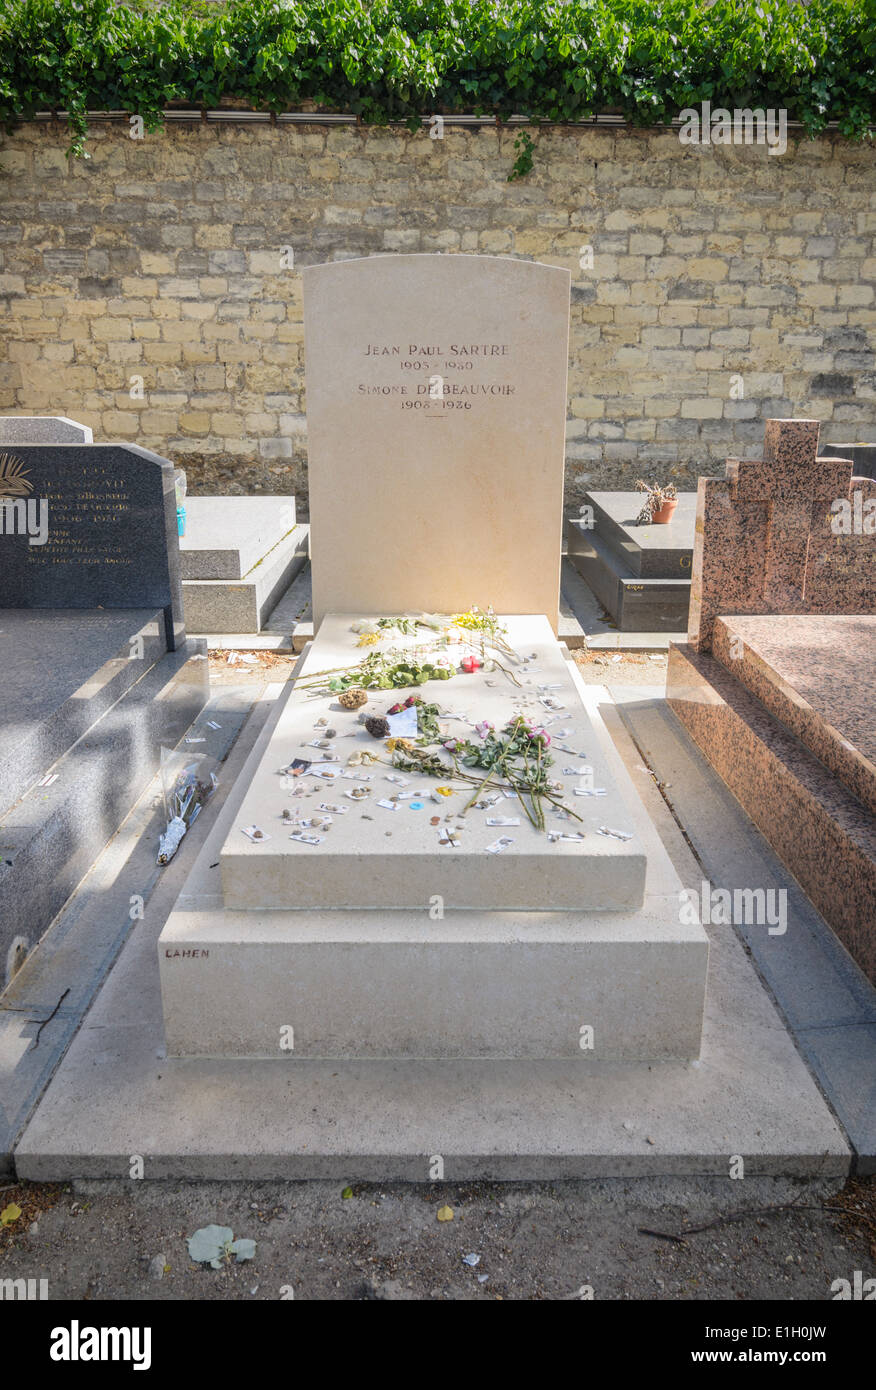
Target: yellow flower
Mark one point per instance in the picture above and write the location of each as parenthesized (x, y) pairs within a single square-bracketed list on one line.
[(444, 791), (368, 639)]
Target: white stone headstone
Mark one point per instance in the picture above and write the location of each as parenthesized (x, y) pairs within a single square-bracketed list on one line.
[(43, 429), (436, 407)]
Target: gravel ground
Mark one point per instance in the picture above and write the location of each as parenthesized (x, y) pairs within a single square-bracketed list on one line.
[(534, 1241)]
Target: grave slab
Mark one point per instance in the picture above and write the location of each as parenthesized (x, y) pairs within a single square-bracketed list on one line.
[(62, 669), (51, 836), (379, 858), (406, 984), (226, 536), (818, 675)]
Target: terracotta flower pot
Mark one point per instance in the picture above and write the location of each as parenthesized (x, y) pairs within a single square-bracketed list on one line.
[(661, 517)]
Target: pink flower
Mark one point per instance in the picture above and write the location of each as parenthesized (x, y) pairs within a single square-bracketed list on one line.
[(484, 728)]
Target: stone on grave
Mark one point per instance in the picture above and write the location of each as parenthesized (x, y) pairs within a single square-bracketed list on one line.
[(42, 429), (90, 526), (640, 574), (436, 404)]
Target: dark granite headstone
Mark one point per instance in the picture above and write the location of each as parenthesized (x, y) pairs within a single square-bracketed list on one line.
[(863, 457), (43, 429), (89, 526)]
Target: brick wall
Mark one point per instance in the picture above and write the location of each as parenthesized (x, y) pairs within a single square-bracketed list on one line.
[(160, 259)]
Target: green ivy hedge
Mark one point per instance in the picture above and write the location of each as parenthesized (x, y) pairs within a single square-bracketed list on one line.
[(390, 60)]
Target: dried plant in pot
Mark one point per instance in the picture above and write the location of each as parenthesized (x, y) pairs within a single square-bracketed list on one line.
[(659, 504)]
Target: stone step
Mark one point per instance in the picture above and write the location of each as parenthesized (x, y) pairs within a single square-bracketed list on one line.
[(644, 552), (822, 833), (815, 674), (52, 835), (636, 604), (243, 605), (62, 670), (394, 983), (226, 537)]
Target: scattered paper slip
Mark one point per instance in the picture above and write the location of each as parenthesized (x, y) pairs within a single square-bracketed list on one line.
[(498, 845), (503, 820), (306, 839), (618, 834), (254, 833), (404, 724)]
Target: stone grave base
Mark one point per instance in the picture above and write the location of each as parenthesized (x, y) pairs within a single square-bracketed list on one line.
[(116, 1093), (640, 574), (783, 712), (384, 982), (90, 698), (237, 558)]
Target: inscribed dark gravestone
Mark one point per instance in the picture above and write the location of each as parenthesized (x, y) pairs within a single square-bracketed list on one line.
[(89, 526)]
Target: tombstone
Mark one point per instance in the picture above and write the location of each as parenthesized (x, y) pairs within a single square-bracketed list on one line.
[(640, 574), (42, 429), (436, 404), (97, 671), (777, 682), (769, 538), (90, 526), (863, 457)]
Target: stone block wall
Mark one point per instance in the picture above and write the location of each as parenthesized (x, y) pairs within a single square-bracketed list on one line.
[(143, 292)]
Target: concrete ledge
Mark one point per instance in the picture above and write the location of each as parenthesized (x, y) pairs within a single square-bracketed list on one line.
[(243, 605)]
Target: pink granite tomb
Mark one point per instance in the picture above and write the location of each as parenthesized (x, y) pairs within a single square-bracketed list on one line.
[(765, 537)]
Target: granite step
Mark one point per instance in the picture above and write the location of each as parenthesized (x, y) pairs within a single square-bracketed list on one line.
[(820, 831), (51, 836), (815, 674), (635, 603), (62, 670)]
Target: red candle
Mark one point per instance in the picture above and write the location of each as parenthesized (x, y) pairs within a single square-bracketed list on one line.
[(470, 664)]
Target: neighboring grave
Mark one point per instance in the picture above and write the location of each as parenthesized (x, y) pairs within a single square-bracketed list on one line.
[(42, 429), (777, 684), (640, 574), (97, 672), (238, 556), (90, 526), (768, 538), (863, 457), (436, 406)]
